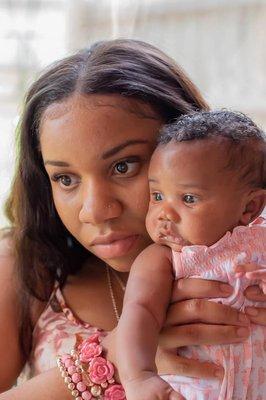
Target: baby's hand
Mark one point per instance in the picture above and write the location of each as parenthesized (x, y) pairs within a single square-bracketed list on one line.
[(253, 271), (150, 387)]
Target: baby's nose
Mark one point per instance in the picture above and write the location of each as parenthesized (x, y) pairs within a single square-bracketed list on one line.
[(169, 214)]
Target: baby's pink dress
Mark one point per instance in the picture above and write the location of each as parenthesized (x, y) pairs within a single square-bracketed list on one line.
[(244, 363)]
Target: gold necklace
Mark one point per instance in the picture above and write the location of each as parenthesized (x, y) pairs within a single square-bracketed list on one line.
[(119, 280), (111, 290)]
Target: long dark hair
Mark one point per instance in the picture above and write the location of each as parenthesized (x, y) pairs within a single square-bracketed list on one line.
[(45, 250)]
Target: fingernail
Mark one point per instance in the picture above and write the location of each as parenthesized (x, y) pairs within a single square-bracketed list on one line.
[(242, 332), (243, 318), (251, 311), (219, 373), (226, 288)]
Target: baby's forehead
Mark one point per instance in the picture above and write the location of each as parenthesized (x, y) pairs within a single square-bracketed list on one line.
[(211, 158), (193, 152), (201, 162)]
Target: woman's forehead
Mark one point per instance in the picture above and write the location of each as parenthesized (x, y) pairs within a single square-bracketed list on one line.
[(91, 102), (93, 126)]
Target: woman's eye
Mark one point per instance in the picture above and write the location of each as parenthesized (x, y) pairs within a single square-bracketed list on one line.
[(126, 167), (189, 199), (157, 196), (65, 181)]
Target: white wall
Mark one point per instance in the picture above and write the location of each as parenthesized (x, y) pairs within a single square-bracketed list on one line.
[(220, 43)]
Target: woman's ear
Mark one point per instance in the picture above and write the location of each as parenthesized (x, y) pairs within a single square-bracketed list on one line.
[(254, 206)]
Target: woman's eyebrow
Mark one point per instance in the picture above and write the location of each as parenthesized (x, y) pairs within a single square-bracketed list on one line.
[(56, 163), (118, 148)]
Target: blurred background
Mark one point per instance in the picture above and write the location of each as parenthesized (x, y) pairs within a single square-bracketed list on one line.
[(220, 43)]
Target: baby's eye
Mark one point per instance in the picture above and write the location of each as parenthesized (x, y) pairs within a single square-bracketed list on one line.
[(156, 196), (190, 199), (126, 167)]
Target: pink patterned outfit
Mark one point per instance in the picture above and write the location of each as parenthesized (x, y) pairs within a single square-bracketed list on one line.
[(244, 363), (54, 334)]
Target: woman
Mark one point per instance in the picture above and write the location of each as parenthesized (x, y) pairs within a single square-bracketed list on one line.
[(78, 206)]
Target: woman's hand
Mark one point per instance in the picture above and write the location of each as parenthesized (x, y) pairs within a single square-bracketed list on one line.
[(253, 271), (192, 320), (257, 315)]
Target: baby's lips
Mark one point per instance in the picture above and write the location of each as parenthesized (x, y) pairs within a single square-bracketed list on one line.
[(168, 238), (167, 228)]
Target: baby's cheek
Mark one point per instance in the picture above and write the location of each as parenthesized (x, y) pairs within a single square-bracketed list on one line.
[(151, 224), (206, 233)]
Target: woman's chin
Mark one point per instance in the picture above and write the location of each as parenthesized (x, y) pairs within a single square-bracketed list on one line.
[(122, 262)]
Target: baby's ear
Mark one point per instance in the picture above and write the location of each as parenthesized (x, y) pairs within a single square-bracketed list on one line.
[(254, 206)]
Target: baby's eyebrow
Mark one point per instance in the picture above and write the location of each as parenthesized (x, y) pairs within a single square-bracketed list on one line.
[(118, 148), (153, 180), (192, 186)]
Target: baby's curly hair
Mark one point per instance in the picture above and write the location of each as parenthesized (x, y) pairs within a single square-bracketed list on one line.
[(242, 140)]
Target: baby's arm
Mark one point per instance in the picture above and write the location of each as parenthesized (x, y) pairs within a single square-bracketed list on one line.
[(146, 300)]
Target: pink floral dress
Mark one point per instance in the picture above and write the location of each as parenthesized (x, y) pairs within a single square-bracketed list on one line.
[(54, 334), (244, 363)]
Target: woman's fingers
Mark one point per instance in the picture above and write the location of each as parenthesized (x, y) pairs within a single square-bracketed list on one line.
[(257, 315), (254, 293), (169, 363), (257, 274), (175, 396), (260, 275), (188, 288), (200, 310), (191, 288), (196, 369), (197, 334), (248, 267), (253, 271)]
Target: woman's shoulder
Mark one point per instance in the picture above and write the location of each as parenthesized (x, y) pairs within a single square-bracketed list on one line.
[(8, 315), (7, 258), (9, 276)]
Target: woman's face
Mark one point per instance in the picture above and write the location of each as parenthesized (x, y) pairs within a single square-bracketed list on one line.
[(96, 151)]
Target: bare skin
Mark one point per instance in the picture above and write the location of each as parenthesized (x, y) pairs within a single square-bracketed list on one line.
[(50, 384), (77, 132), (194, 200)]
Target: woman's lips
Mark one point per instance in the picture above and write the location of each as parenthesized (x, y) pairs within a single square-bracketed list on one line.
[(115, 248)]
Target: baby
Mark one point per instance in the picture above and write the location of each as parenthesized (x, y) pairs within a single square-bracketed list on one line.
[(207, 182)]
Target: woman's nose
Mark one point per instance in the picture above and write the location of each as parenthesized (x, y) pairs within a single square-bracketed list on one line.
[(99, 205)]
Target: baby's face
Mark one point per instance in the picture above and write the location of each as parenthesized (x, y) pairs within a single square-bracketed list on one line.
[(194, 199)]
